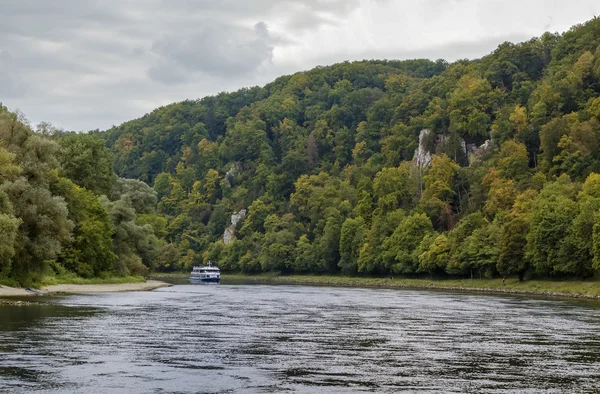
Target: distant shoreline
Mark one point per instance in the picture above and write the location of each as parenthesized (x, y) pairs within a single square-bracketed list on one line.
[(411, 284), (83, 288), (546, 288)]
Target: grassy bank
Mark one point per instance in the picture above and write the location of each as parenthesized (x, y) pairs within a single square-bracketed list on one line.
[(76, 280), (579, 289), (8, 282), (171, 275)]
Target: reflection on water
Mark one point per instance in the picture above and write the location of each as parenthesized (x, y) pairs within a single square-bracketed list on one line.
[(24, 357), (257, 339)]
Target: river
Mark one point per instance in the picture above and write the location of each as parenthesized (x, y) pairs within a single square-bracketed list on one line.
[(299, 339)]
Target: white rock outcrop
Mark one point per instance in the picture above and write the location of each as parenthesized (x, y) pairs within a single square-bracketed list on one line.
[(230, 231), (422, 155), (476, 155)]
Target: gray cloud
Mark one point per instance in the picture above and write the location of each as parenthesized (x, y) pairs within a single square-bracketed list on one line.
[(254, 8), (54, 20), (451, 51), (11, 83), (215, 49), (303, 19)]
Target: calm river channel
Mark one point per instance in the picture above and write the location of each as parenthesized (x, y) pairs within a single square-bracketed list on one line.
[(274, 339)]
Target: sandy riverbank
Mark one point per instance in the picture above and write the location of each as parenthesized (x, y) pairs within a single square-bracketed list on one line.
[(74, 289)]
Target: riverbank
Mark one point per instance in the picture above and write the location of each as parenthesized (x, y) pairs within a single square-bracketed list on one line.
[(84, 288), (570, 289)]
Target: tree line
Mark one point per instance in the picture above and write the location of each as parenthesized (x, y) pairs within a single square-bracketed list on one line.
[(64, 211)]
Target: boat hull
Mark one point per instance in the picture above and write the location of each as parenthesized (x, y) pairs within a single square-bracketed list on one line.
[(204, 280)]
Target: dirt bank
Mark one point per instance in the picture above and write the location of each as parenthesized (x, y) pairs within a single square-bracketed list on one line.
[(73, 289)]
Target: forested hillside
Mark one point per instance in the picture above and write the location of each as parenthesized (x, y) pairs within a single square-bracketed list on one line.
[(64, 212), (476, 168), (324, 163)]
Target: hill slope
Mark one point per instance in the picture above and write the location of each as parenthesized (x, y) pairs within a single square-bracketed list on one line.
[(323, 163)]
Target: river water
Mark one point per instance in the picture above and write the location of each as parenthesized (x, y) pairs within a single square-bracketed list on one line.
[(299, 339)]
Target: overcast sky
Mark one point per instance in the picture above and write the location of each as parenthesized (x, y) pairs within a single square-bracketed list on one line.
[(83, 64)]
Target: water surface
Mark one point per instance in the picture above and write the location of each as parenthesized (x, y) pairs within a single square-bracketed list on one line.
[(272, 339)]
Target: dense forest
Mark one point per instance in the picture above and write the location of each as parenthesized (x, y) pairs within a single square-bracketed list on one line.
[(477, 168), (63, 211)]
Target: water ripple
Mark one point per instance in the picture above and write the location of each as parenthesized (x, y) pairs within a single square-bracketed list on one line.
[(263, 339)]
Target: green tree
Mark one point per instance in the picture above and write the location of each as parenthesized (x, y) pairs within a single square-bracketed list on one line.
[(513, 240), (135, 245), (305, 255), (371, 259), (45, 227), (470, 105), (550, 226), (394, 188), (9, 226), (141, 196), (399, 249), (9, 170), (89, 251), (513, 162), (327, 243), (435, 253), (480, 250), (352, 237), (85, 160), (439, 191)]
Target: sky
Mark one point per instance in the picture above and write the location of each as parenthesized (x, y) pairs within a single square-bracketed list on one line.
[(90, 64)]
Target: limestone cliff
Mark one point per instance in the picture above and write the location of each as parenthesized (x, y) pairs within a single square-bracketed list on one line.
[(422, 155), (230, 231)]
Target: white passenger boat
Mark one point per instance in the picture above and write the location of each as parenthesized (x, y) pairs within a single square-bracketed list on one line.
[(206, 273)]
